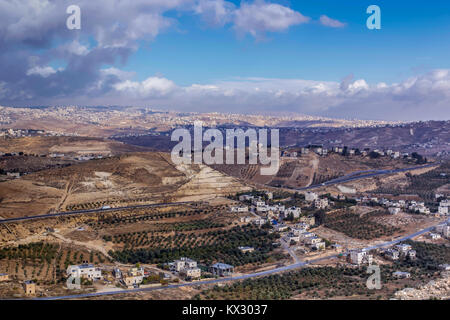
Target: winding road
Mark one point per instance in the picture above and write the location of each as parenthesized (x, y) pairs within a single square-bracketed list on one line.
[(364, 174)]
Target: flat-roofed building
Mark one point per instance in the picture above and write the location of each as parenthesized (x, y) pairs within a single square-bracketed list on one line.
[(85, 270), (222, 269), (29, 287)]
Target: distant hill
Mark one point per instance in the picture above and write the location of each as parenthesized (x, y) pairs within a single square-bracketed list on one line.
[(427, 138)]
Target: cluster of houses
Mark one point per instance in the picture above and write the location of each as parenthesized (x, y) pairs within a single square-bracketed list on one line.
[(396, 206), (399, 251), (270, 211), (131, 278), (323, 151), (188, 268), (299, 234)]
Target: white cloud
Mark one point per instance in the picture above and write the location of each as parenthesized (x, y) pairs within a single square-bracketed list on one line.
[(215, 12), (75, 47), (155, 87), (260, 17), (120, 74), (417, 98), (41, 71), (327, 21)]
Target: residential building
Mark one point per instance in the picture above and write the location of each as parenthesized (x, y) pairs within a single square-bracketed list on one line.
[(392, 254), (193, 273), (187, 267), (294, 211), (309, 220), (321, 203), (222, 269), (359, 257), (117, 273), (434, 236), (85, 270), (318, 246), (239, 209), (29, 287), (403, 248), (443, 210), (292, 237)]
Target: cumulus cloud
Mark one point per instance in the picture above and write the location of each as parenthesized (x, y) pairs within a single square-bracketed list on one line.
[(327, 21), (33, 35), (417, 98), (260, 17), (215, 12), (41, 71), (153, 87)]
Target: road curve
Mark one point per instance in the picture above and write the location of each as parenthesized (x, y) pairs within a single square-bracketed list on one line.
[(371, 173)]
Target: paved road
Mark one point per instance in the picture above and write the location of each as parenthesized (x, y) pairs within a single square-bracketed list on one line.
[(347, 178), (68, 213), (362, 175), (243, 277)]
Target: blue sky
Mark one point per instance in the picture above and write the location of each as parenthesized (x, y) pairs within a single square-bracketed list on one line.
[(414, 38), (315, 57)]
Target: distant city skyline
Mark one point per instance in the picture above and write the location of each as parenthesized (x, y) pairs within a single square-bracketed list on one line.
[(307, 57)]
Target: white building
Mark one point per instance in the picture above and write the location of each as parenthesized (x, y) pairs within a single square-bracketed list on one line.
[(443, 210), (318, 246), (444, 230), (321, 203), (359, 257), (444, 203), (87, 271), (434, 236), (403, 248), (312, 240), (239, 209), (294, 211), (186, 267), (292, 237)]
